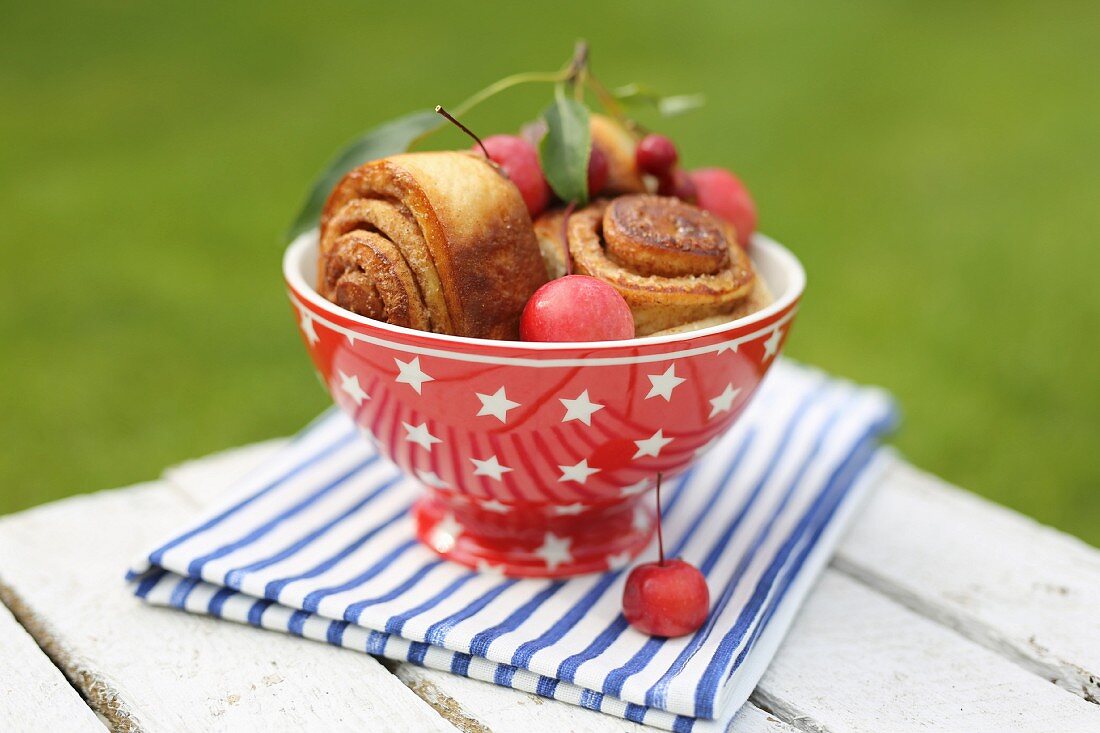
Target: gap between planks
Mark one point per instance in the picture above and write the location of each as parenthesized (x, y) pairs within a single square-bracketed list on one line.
[(214, 675), (820, 680), (32, 687), (493, 709), (998, 578), (147, 670)]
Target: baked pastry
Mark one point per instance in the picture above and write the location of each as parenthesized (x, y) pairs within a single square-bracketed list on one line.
[(758, 298), (617, 144), (436, 241), (672, 262), (548, 231)]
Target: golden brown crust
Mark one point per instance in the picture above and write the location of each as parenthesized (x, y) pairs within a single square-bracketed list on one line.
[(632, 241), (661, 236), (758, 298), (437, 241)]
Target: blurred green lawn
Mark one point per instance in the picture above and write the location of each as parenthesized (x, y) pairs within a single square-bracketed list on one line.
[(936, 165)]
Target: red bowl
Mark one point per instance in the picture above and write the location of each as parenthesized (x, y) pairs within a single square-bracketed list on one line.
[(535, 457)]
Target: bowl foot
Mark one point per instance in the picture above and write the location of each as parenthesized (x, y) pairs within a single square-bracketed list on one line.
[(534, 541)]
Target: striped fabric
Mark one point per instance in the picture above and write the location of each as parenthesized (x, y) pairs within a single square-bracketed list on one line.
[(319, 543)]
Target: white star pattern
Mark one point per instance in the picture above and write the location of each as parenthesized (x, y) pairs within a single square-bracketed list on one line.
[(617, 562), (652, 445), (411, 374), (431, 478), (308, 331), (497, 404), (771, 346), (634, 488), (495, 506), (579, 473), (580, 408), (663, 384), (724, 401), (420, 436), (486, 568), (569, 509), (489, 467), (467, 452), (350, 385), (555, 550), (444, 533)]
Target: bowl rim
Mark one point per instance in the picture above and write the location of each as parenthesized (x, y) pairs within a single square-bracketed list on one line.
[(293, 261)]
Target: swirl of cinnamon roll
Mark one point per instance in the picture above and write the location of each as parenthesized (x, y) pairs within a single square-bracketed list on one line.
[(672, 262), (437, 241)]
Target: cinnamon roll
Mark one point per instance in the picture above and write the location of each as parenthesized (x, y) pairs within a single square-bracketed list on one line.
[(548, 231), (757, 299), (673, 262), (437, 241)]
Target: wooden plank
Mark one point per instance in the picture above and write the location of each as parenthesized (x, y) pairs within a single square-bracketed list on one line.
[(895, 503), (33, 693), (855, 660), (471, 705), (1019, 588), (829, 674), (204, 481), (1023, 590), (150, 669)]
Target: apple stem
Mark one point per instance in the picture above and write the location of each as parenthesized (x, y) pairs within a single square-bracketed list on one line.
[(660, 535), (578, 65), (450, 118), (565, 236)]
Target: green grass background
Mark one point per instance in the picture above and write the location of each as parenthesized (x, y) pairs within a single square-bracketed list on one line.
[(935, 164)]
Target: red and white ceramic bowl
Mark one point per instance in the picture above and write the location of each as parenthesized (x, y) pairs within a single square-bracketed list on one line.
[(536, 458)]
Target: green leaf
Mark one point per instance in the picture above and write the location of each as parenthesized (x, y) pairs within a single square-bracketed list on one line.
[(388, 138), (636, 94), (564, 149), (639, 95), (677, 104)]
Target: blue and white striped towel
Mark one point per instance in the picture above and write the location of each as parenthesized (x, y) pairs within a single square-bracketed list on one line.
[(319, 543)]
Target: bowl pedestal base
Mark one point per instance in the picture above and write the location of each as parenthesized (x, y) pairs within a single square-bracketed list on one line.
[(534, 541)]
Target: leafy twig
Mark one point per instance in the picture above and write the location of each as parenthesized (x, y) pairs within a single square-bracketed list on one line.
[(564, 150), (508, 82)]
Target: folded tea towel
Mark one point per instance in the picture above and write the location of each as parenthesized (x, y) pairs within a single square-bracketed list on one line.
[(319, 542)]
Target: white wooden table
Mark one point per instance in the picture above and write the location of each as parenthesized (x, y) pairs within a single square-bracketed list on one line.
[(940, 611)]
